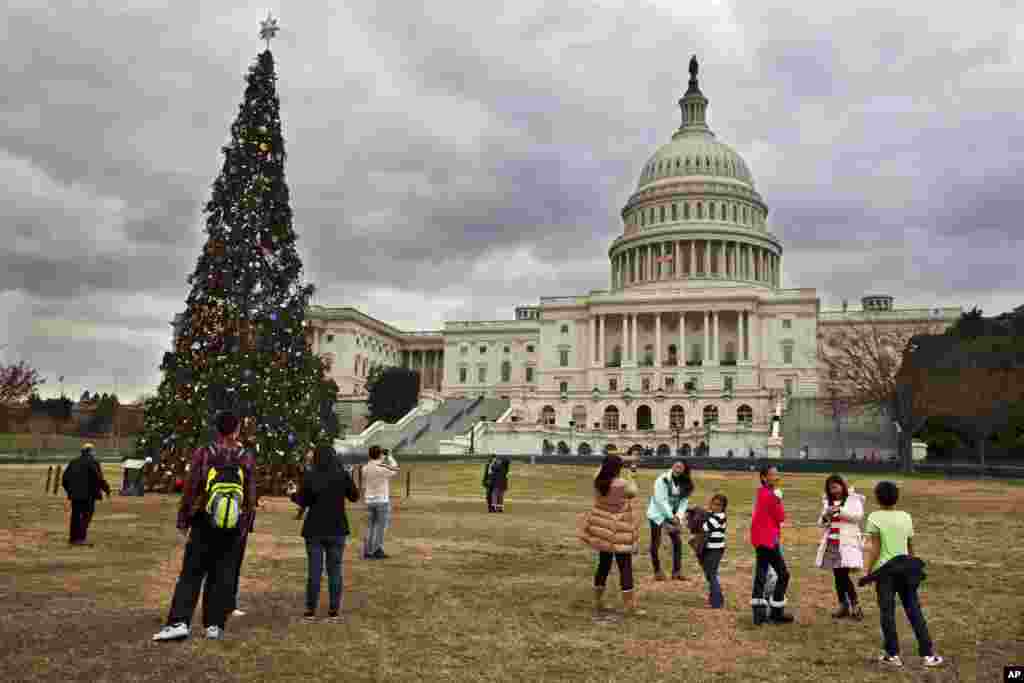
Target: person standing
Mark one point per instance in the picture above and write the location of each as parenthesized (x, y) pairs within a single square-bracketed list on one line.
[(377, 476), (219, 493), (766, 537), (713, 529), (322, 498), (609, 528), (84, 484), (666, 512), (895, 570), (496, 483), (246, 525), (842, 510)]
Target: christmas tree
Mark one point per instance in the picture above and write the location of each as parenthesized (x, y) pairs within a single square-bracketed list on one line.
[(241, 342)]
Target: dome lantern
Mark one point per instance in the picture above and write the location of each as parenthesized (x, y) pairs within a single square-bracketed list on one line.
[(694, 107)]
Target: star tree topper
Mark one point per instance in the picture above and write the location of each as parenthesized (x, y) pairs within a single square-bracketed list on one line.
[(268, 28)]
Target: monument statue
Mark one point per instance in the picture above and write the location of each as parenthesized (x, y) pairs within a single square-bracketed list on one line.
[(693, 68)]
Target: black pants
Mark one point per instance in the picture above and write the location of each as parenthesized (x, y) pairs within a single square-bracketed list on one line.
[(677, 549), (770, 557), (709, 563), (496, 496), (604, 568), (888, 588), (81, 515), (845, 590), (242, 543), (211, 555)]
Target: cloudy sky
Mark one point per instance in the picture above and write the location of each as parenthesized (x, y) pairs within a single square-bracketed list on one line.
[(455, 159)]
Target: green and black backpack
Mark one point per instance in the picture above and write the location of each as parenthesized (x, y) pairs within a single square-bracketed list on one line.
[(224, 494)]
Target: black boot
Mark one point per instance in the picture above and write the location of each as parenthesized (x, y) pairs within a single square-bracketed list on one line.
[(779, 616)]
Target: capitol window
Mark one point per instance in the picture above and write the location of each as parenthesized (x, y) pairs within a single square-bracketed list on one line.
[(662, 214), (787, 324), (565, 329), (563, 387), (613, 384), (529, 348), (733, 213), (787, 354), (481, 374), (563, 358), (483, 350), (330, 338), (675, 212), (462, 375), (700, 210), (529, 373), (686, 211)]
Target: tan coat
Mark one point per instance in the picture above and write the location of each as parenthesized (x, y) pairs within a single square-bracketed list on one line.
[(610, 526)]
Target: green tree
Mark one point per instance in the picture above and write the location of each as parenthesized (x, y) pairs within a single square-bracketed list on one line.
[(392, 391), (242, 342)]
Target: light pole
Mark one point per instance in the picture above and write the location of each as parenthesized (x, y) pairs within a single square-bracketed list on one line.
[(472, 436), (572, 433), (677, 429)]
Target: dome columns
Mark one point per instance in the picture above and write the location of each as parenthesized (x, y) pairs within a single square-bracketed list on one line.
[(699, 258)]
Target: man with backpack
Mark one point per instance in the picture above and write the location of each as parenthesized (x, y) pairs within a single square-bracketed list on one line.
[(215, 506), (84, 483)]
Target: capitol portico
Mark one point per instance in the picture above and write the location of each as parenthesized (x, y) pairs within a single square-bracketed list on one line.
[(694, 338)]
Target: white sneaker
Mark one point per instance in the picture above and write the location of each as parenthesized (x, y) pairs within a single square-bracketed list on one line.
[(175, 632), (893, 660), (238, 613), (214, 633), (933, 660)]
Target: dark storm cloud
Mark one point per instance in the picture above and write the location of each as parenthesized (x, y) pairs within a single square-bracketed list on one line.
[(466, 158)]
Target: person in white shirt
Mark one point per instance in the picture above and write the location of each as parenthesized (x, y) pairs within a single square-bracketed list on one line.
[(377, 475)]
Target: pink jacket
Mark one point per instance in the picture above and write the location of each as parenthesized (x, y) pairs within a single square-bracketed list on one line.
[(769, 514)]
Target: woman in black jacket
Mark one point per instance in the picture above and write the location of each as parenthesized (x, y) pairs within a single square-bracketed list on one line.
[(322, 500)]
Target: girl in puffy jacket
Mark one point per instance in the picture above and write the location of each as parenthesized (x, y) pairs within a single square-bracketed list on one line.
[(610, 528), (766, 537), (841, 547)]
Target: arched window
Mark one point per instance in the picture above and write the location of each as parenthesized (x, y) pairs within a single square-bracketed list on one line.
[(616, 356), (733, 213), (547, 415), (649, 354), (684, 451), (686, 211), (506, 371), (644, 418), (675, 212), (610, 420), (643, 218), (745, 415), (579, 416), (583, 449), (661, 214), (700, 210), (677, 417), (673, 354), (710, 415), (664, 450)]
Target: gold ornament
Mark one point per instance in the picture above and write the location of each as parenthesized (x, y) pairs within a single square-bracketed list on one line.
[(264, 147)]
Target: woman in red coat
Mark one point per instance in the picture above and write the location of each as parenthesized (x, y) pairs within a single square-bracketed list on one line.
[(766, 536)]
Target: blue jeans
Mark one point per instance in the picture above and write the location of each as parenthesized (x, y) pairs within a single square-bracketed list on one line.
[(709, 562), (887, 589), (316, 548), (379, 518)]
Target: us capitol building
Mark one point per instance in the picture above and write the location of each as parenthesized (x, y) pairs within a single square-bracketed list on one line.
[(694, 341)]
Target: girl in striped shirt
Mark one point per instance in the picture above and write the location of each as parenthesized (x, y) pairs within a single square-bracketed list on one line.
[(714, 547)]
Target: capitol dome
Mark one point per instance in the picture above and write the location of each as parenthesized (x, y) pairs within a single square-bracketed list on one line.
[(695, 218)]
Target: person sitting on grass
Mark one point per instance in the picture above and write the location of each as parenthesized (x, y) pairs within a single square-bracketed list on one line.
[(889, 554), (322, 498), (666, 512), (610, 529)]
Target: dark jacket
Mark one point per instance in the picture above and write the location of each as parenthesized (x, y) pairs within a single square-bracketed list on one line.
[(911, 569), (83, 479), (323, 494), (216, 455), (496, 473)]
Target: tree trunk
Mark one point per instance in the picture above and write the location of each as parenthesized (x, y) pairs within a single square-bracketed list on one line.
[(981, 452), (906, 452)]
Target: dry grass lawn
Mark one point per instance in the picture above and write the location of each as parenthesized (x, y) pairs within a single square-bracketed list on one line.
[(469, 596)]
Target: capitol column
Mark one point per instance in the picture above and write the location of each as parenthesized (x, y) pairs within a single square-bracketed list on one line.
[(592, 341), (600, 341), (707, 338), (677, 264), (718, 340), (707, 258), (693, 258), (636, 322), (632, 266), (682, 339), (657, 340)]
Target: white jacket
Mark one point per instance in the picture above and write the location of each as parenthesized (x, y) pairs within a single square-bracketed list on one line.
[(851, 541)]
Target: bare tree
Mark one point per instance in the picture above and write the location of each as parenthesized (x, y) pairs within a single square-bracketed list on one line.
[(18, 382), (858, 362)]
